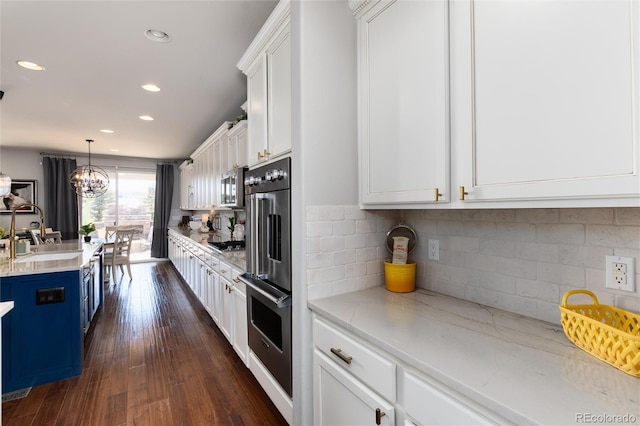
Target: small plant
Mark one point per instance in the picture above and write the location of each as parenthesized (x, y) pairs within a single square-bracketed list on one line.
[(87, 229), (3, 233), (232, 224), (237, 120)]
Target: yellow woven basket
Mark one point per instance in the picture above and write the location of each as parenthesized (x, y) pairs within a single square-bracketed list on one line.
[(607, 332)]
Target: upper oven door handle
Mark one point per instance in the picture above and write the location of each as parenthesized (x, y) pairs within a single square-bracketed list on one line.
[(275, 296)]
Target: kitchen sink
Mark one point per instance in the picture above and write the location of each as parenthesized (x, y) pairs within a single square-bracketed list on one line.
[(47, 257)]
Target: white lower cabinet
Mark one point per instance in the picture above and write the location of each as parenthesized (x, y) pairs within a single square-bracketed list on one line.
[(425, 403), (240, 332), (226, 308), (355, 383), (341, 399), (217, 287)]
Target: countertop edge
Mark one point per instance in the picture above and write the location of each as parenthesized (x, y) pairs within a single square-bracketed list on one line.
[(87, 251), (5, 307), (364, 313), (230, 257)]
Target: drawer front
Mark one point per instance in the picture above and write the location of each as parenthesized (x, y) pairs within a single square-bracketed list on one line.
[(226, 271), (428, 404), (237, 282), (213, 262), (377, 372)]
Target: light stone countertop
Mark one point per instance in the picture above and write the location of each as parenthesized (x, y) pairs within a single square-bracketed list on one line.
[(523, 369), (9, 268), (236, 258), (5, 307)]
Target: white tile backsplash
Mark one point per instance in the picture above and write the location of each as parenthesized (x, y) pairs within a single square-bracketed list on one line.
[(519, 260)]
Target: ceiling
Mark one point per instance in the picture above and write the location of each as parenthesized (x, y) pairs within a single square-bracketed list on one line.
[(96, 59)]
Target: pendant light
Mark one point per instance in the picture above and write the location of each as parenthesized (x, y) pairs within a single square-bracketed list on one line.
[(5, 184), (89, 181)]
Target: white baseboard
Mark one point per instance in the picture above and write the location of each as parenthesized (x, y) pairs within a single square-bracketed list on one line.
[(278, 396)]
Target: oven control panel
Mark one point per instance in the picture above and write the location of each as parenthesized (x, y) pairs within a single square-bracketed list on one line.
[(271, 177)]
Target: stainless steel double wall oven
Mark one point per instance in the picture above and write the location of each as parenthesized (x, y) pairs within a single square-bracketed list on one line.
[(268, 276)]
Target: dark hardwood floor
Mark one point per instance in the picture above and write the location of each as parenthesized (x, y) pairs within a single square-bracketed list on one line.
[(153, 356)]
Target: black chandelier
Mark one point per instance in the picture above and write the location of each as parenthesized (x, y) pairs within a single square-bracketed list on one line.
[(89, 181)]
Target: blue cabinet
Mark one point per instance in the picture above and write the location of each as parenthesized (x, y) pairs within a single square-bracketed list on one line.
[(42, 337)]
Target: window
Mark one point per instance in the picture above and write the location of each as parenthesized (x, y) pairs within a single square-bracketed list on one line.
[(129, 201)]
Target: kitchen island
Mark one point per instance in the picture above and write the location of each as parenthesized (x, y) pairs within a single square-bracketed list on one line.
[(56, 290), (504, 367)]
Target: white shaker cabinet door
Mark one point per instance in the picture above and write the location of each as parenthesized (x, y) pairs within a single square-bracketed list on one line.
[(403, 102), (279, 93), (545, 99), (257, 110), (240, 327), (428, 405), (226, 309), (340, 399)]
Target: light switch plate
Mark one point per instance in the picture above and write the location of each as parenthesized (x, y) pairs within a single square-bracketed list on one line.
[(620, 273)]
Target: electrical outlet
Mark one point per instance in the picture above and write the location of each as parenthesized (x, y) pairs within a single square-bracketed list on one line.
[(434, 250), (620, 273)]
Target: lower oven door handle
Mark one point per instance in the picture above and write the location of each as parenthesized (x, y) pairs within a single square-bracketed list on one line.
[(280, 299)]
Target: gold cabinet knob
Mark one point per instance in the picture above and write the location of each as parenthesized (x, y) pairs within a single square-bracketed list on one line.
[(436, 194), (462, 193)]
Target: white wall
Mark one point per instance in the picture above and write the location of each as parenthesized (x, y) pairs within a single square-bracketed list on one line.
[(324, 155), (22, 164), (519, 260), (27, 164)]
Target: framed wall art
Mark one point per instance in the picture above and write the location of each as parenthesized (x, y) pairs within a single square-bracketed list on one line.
[(22, 191)]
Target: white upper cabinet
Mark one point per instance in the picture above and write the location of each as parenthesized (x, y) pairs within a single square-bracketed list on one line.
[(267, 65), (545, 99), (186, 185), (506, 103), (203, 179), (403, 105), (279, 93), (257, 109), (237, 152)]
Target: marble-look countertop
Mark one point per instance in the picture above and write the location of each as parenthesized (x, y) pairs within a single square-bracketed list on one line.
[(235, 257), (5, 307), (9, 267), (523, 369)]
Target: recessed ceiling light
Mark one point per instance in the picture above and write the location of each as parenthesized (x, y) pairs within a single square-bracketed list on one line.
[(151, 88), (146, 117), (157, 35), (106, 131), (114, 150), (30, 65)]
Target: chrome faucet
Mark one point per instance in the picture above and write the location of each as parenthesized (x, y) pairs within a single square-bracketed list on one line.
[(12, 231)]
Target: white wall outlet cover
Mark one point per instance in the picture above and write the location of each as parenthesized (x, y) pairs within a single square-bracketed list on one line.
[(620, 273), (434, 250)]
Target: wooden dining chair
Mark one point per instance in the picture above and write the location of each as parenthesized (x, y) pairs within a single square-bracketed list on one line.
[(50, 237), (120, 253), (110, 232), (53, 237)]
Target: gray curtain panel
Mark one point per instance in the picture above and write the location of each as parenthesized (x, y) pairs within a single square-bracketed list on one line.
[(60, 199), (162, 213)]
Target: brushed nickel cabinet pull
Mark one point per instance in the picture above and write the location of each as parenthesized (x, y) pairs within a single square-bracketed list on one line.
[(379, 415), (339, 354)]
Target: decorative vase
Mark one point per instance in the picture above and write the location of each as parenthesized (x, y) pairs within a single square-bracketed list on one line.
[(87, 238), (231, 236)]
